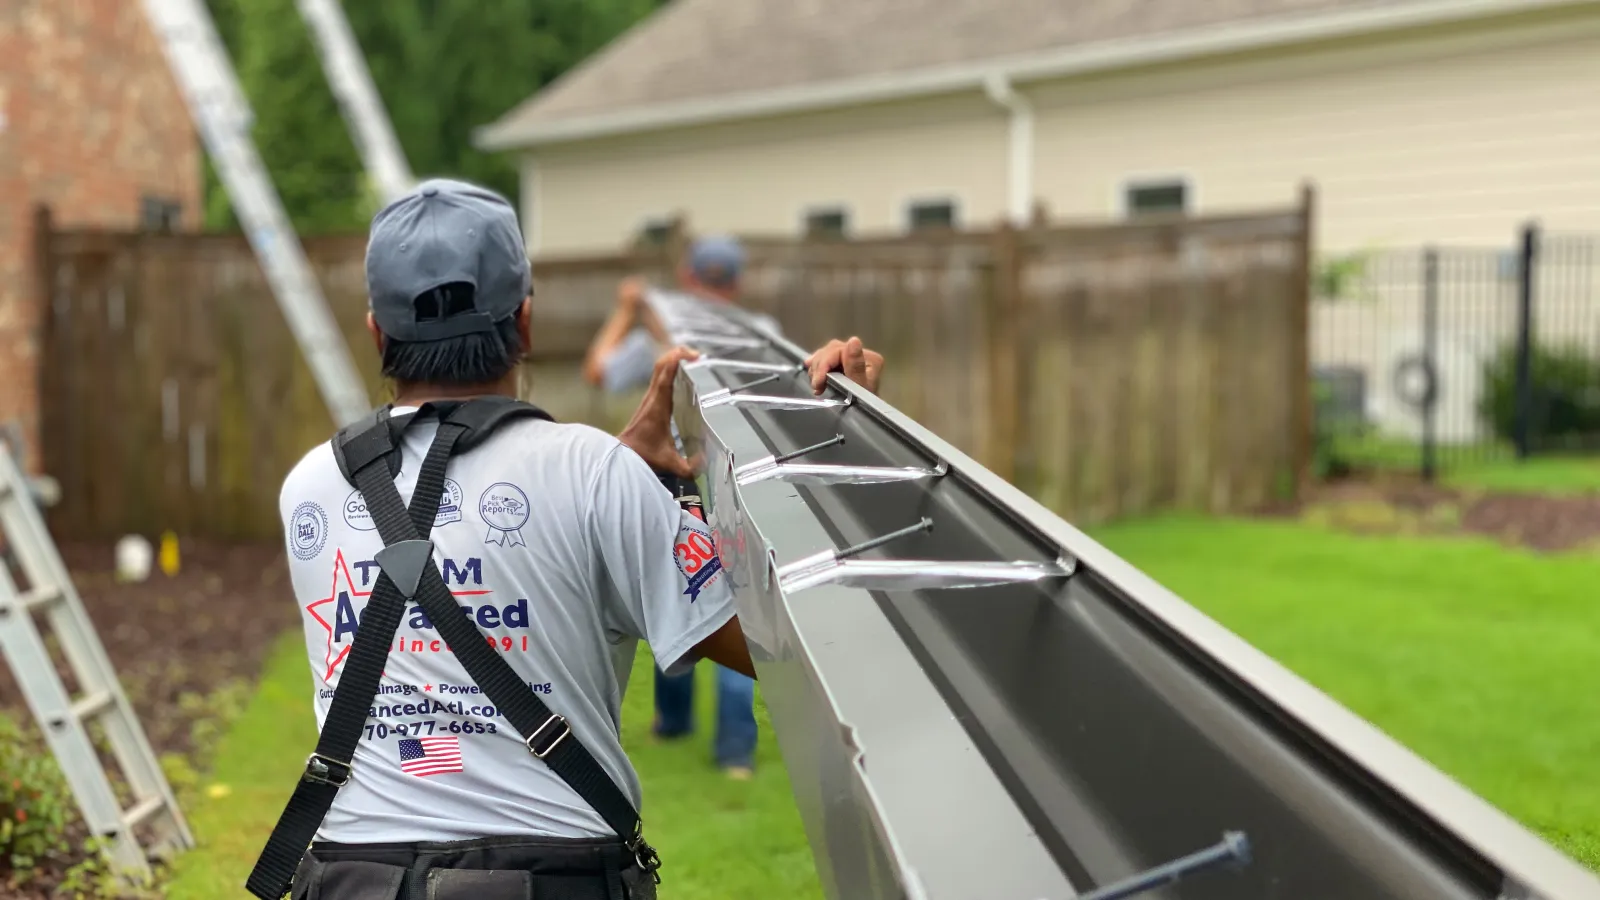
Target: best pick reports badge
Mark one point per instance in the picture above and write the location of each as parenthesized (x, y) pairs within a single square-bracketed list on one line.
[(504, 509)]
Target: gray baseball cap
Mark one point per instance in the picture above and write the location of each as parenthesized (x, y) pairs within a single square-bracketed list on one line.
[(445, 232), (716, 260)]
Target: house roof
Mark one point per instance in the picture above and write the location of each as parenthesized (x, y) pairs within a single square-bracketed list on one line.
[(748, 56)]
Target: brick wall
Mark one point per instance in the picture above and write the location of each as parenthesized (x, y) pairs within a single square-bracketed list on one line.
[(91, 124)]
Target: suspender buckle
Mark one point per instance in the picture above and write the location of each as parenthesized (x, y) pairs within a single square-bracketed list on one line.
[(561, 725), (645, 855), (326, 770)]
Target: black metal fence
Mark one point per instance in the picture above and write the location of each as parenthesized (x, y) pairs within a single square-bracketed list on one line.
[(1433, 357)]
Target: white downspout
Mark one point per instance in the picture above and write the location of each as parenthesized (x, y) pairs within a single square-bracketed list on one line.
[(1020, 172)]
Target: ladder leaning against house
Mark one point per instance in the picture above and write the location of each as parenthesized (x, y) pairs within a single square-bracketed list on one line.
[(200, 64)]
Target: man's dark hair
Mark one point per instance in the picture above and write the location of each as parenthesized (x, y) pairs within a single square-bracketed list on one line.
[(478, 357)]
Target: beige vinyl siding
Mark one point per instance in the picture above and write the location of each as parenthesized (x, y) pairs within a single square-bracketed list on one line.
[(1453, 138), (760, 177), (1452, 135)]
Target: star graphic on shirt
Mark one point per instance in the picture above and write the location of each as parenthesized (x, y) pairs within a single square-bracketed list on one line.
[(340, 568), (328, 618), (427, 687)]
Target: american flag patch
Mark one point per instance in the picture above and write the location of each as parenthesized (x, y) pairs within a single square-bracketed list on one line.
[(430, 756)]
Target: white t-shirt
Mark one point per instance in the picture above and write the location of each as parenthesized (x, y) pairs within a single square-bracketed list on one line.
[(630, 364), (565, 550)]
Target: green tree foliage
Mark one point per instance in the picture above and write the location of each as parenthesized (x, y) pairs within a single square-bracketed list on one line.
[(442, 67), (297, 127)]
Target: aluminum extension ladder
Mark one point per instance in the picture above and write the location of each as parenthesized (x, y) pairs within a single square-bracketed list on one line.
[(64, 720), (220, 111), (358, 99)]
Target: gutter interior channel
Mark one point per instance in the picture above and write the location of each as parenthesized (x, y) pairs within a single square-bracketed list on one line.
[(1123, 746)]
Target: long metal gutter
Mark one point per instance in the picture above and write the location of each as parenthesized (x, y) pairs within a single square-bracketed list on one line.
[(988, 704)]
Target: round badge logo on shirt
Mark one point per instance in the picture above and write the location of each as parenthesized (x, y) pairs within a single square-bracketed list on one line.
[(308, 530), (355, 512), (357, 516), (696, 555), (504, 508), (449, 505)]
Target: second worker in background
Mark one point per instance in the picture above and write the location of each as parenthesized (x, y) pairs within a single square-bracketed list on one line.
[(620, 359)]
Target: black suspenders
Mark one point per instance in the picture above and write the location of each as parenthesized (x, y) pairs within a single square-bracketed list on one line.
[(368, 456)]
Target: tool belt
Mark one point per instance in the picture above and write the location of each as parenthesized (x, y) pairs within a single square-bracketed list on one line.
[(368, 457), (501, 868)]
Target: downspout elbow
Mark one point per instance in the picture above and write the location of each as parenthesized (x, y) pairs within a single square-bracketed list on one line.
[(1000, 92)]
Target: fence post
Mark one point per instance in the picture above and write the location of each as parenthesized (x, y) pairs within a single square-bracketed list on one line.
[(1300, 346), (1005, 301), (37, 307), (1523, 423), (1430, 361)]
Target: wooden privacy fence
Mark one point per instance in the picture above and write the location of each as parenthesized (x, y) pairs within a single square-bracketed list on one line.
[(173, 395), (1109, 370)]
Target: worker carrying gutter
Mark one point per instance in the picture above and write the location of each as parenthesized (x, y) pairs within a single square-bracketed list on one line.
[(473, 580)]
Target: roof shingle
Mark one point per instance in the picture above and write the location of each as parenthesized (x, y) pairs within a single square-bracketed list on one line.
[(701, 49)]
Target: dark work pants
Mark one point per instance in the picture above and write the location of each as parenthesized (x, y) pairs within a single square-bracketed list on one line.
[(502, 868), (735, 742)]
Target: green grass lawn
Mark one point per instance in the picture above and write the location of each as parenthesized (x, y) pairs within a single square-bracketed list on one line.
[(1558, 475), (1489, 468), (718, 838), (1480, 658)]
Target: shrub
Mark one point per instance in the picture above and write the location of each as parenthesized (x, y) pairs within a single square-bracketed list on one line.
[(1566, 395), (35, 805), (1336, 426), (94, 879), (1340, 277)]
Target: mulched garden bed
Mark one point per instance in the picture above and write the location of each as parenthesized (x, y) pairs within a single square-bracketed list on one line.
[(1544, 523), (187, 648), (1401, 504)]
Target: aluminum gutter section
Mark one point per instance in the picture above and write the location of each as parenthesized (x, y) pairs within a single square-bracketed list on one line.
[(848, 697), (1078, 60), (1529, 867), (1058, 733)]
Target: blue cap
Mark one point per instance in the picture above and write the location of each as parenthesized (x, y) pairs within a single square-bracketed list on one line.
[(445, 233), (716, 260)]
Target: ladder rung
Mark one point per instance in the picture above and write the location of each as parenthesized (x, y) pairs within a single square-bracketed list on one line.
[(92, 704), (41, 596), (142, 811)]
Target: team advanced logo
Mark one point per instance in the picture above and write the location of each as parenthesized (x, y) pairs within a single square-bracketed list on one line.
[(338, 616), (696, 555)]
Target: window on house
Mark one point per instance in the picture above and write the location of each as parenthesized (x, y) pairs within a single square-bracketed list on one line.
[(1156, 198), (159, 213), (655, 232), (931, 215), (829, 223)]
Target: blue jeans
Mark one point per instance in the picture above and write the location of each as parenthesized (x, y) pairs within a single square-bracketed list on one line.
[(735, 743)]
